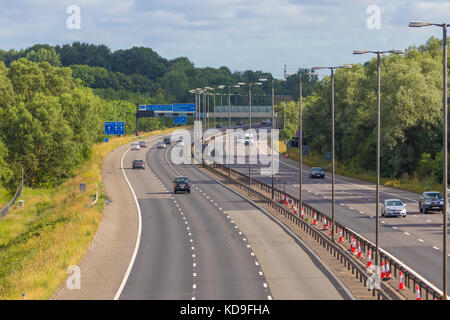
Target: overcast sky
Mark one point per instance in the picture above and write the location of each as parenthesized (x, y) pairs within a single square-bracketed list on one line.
[(240, 34)]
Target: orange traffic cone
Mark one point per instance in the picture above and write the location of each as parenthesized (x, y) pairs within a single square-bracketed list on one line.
[(351, 245), (286, 155), (315, 219), (369, 259), (359, 251), (354, 246), (418, 295), (401, 284), (283, 200), (383, 271), (303, 211), (325, 226), (331, 228), (341, 236), (388, 271), (295, 210)]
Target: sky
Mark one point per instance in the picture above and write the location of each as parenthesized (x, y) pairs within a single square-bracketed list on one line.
[(259, 35)]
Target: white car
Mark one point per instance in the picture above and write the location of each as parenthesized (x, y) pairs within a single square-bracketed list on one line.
[(161, 145), (393, 208), (180, 143), (240, 139), (135, 146)]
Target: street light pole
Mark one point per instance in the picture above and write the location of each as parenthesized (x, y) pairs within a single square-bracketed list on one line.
[(272, 137), (249, 132), (377, 196), (332, 141), (229, 127)]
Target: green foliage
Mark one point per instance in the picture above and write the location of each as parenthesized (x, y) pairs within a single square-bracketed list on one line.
[(44, 55), (411, 114)]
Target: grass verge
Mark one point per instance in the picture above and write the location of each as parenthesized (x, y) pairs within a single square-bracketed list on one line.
[(407, 183), (53, 230)]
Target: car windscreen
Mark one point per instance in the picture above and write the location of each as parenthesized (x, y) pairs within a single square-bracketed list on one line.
[(316, 169), (432, 195), (394, 203), (181, 180)]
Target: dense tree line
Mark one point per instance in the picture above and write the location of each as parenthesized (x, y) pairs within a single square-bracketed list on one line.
[(49, 121), (411, 114), (142, 72)]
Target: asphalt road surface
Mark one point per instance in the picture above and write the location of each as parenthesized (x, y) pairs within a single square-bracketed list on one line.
[(415, 240), (191, 248)]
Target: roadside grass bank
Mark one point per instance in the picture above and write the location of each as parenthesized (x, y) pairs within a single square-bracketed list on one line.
[(54, 229), (5, 197), (406, 182)]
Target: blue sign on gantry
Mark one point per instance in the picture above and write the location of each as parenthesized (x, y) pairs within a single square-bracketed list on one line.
[(115, 127), (183, 107)]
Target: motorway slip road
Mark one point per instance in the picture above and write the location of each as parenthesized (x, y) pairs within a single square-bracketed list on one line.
[(415, 240), (209, 244)]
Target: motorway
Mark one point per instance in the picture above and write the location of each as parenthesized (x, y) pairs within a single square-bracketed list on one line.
[(191, 248), (415, 240)]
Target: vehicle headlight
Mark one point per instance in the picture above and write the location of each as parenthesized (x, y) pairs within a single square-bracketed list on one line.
[(403, 211)]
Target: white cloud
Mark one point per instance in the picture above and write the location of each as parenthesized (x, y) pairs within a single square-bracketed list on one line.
[(240, 34)]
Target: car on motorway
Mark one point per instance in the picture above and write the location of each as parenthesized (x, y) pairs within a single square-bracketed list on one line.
[(142, 144), (160, 145), (431, 201), (240, 139), (135, 146), (219, 125), (138, 164), (393, 208), (181, 184), (248, 139), (167, 140), (316, 172), (266, 123), (180, 143), (239, 124)]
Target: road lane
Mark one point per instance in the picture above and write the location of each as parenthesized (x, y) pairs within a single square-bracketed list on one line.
[(416, 240)]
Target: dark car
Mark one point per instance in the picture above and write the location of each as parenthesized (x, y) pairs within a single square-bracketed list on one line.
[(142, 144), (219, 125), (181, 184), (167, 140), (316, 172), (431, 201), (138, 164)]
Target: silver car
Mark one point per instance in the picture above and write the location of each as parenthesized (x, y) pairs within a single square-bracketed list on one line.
[(393, 208)]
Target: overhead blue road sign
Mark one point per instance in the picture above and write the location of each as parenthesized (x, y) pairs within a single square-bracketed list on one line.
[(115, 127), (179, 120), (183, 107), (156, 107)]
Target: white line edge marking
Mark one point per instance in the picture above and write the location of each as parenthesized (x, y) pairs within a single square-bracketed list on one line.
[(138, 238)]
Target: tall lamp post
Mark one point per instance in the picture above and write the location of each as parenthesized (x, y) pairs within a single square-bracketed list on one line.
[(300, 135), (377, 197), (259, 83), (444, 26), (345, 66), (273, 121)]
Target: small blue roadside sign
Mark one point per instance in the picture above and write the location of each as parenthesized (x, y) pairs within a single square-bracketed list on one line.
[(115, 127), (179, 120), (106, 139)]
